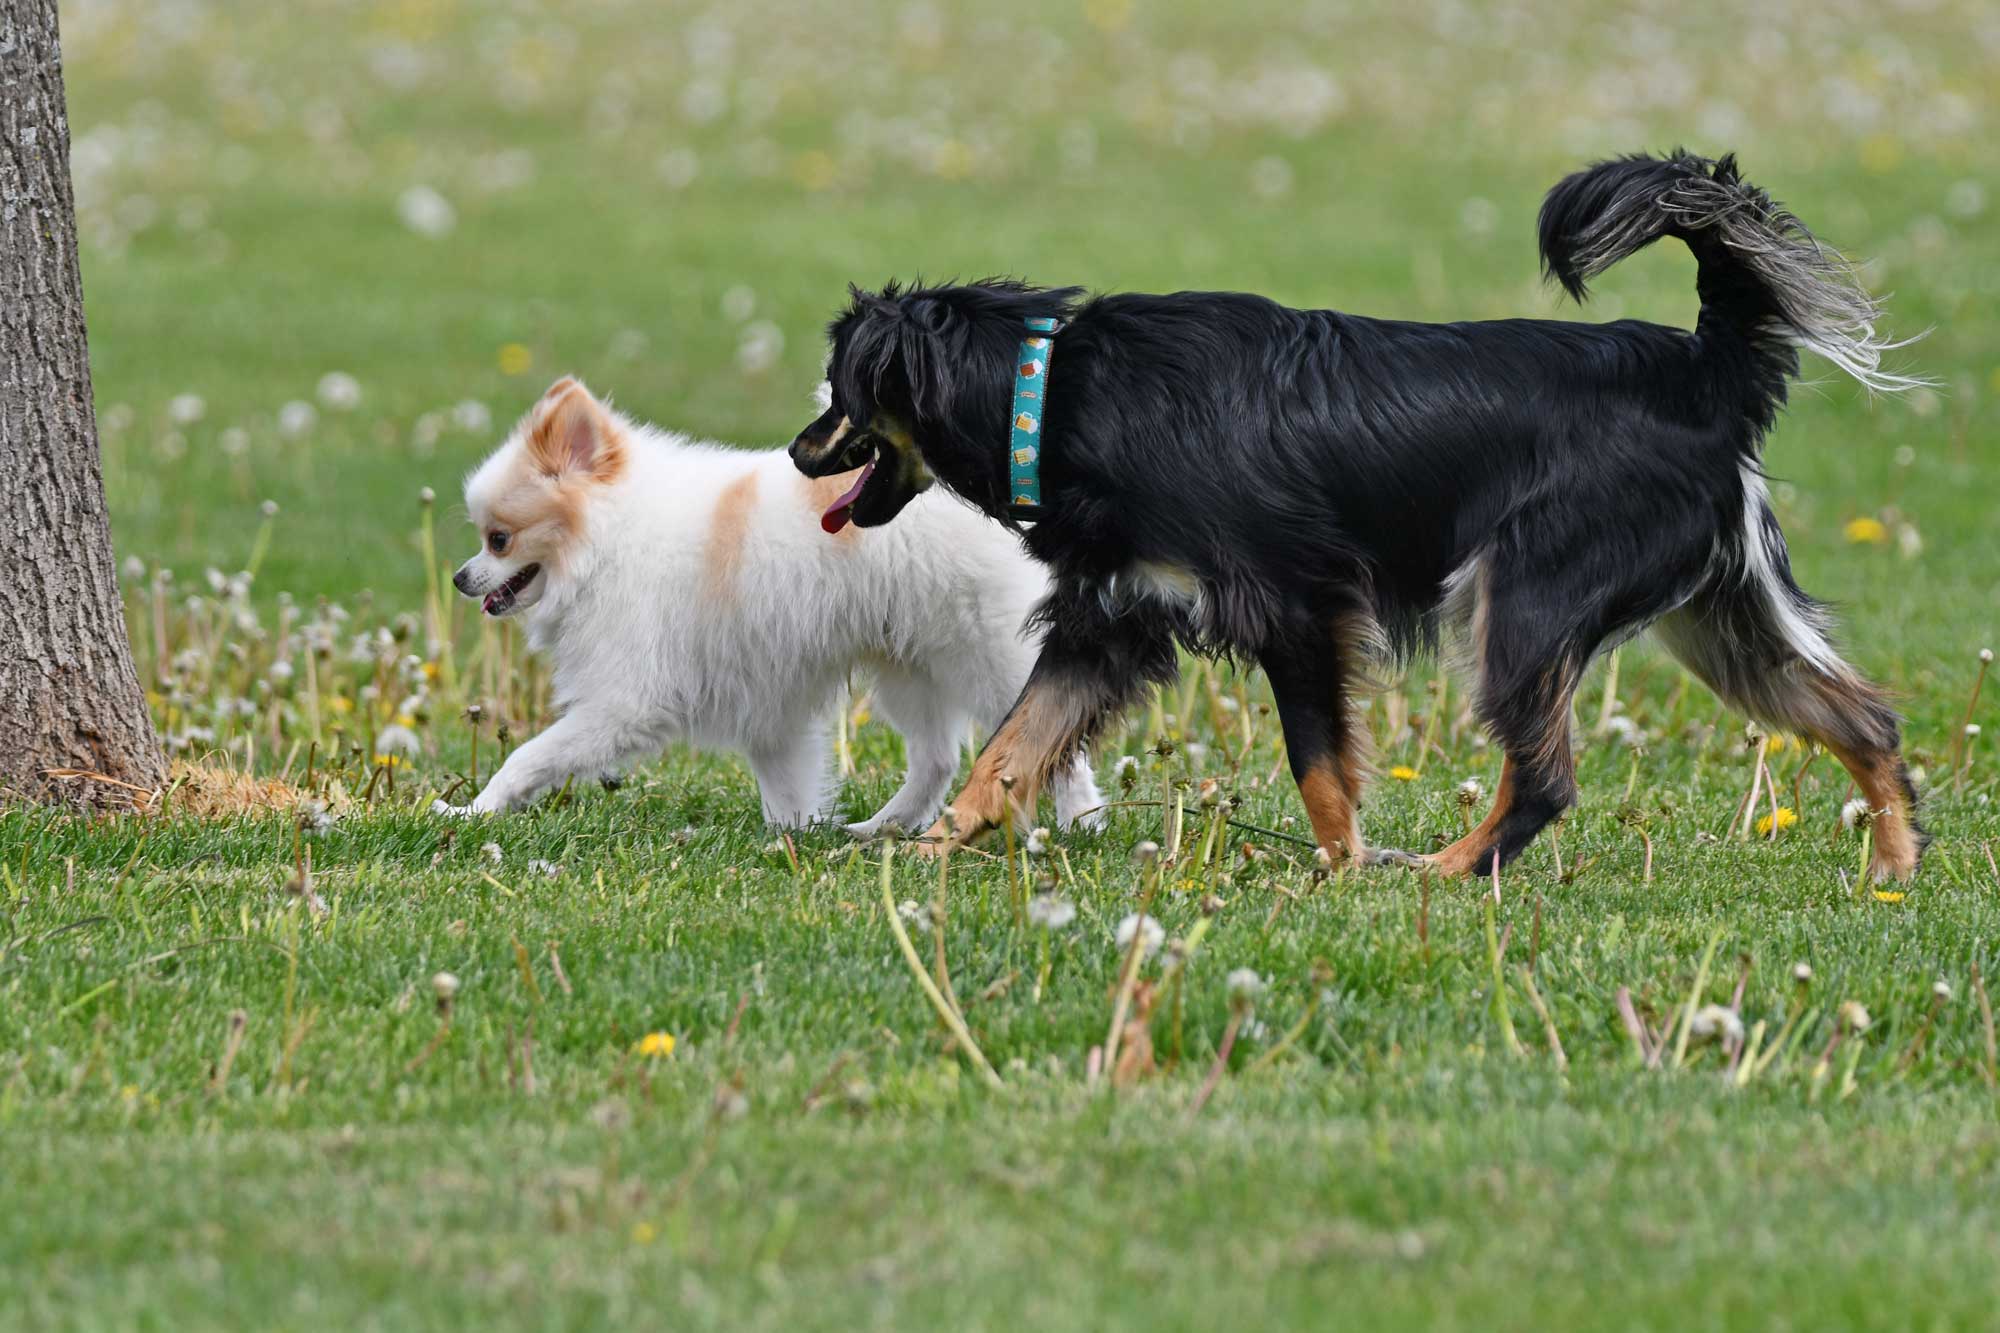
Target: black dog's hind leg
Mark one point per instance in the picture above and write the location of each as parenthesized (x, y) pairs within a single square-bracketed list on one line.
[(1312, 676), (1771, 659), (1093, 662)]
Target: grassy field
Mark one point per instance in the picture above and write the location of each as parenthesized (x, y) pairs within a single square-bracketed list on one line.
[(682, 1073)]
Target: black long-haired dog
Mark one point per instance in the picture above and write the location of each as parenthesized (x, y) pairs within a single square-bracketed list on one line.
[(1308, 488)]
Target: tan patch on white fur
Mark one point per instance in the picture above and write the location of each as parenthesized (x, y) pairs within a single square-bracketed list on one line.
[(722, 555)]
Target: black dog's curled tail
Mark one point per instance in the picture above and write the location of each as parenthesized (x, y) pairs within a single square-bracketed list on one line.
[(1761, 271)]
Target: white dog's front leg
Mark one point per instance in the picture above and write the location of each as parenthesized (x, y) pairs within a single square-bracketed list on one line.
[(577, 742)]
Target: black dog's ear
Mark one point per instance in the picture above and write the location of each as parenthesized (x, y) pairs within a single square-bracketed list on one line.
[(933, 345)]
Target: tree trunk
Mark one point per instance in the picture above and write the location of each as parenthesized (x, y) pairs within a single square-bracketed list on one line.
[(70, 702)]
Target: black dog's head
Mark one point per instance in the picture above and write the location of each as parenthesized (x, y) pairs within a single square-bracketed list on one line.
[(920, 379)]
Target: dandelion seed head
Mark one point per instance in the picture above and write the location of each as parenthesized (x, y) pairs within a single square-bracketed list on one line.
[(339, 391), (1150, 934), (1716, 1022), (1050, 912), (1855, 1015), (1941, 991), (1802, 973), (1244, 985)]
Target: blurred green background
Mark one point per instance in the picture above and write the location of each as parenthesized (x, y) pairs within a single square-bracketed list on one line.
[(331, 250)]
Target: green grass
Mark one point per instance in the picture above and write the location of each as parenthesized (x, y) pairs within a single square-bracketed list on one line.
[(813, 1154)]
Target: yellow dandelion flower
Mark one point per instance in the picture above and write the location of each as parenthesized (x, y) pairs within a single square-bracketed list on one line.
[(1866, 530), (388, 760), (1403, 773), (340, 703), (655, 1045), (1786, 818), (430, 670), (515, 359), (644, 1233), (1888, 895)]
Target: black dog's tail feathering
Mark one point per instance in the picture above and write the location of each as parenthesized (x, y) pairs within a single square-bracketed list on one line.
[(1760, 271)]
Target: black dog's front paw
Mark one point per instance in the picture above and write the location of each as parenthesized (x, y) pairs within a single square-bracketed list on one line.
[(1390, 856)]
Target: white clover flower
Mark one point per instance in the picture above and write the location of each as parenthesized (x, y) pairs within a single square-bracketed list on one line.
[(1986, 656), (1716, 1022), (1245, 985), (1050, 912), (1150, 933), (397, 739), (184, 409), (340, 391), (296, 418), (426, 212)]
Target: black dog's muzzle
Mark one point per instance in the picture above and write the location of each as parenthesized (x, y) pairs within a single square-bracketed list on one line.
[(832, 445)]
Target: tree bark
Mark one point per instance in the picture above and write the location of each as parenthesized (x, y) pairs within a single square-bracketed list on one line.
[(70, 701)]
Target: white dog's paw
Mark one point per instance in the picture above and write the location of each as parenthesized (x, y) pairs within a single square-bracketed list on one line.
[(870, 829), (1091, 817)]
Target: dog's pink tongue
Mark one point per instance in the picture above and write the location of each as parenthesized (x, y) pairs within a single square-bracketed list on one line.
[(840, 511)]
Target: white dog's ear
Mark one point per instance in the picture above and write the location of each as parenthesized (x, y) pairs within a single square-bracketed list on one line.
[(572, 435), (823, 395)]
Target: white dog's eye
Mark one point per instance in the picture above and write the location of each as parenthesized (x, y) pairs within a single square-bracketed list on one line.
[(496, 542)]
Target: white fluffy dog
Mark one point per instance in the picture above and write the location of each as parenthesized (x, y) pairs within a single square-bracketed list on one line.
[(686, 591)]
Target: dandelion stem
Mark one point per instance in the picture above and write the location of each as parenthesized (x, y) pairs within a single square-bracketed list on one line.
[(1220, 1063), (1291, 1036), (1548, 1023), (1992, 1067), (1130, 973), (929, 988), (1500, 1011), (1694, 998)]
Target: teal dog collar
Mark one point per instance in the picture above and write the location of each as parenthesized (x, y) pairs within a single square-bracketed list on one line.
[(1031, 386)]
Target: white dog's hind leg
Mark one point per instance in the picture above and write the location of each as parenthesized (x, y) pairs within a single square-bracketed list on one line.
[(581, 741), (1077, 798), (792, 777), (932, 731)]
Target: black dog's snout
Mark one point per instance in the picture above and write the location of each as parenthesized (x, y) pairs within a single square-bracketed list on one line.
[(461, 579)]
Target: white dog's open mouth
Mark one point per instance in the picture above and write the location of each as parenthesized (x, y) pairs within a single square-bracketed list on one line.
[(501, 600)]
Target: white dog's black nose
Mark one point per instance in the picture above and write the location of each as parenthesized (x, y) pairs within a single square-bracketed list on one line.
[(463, 579)]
